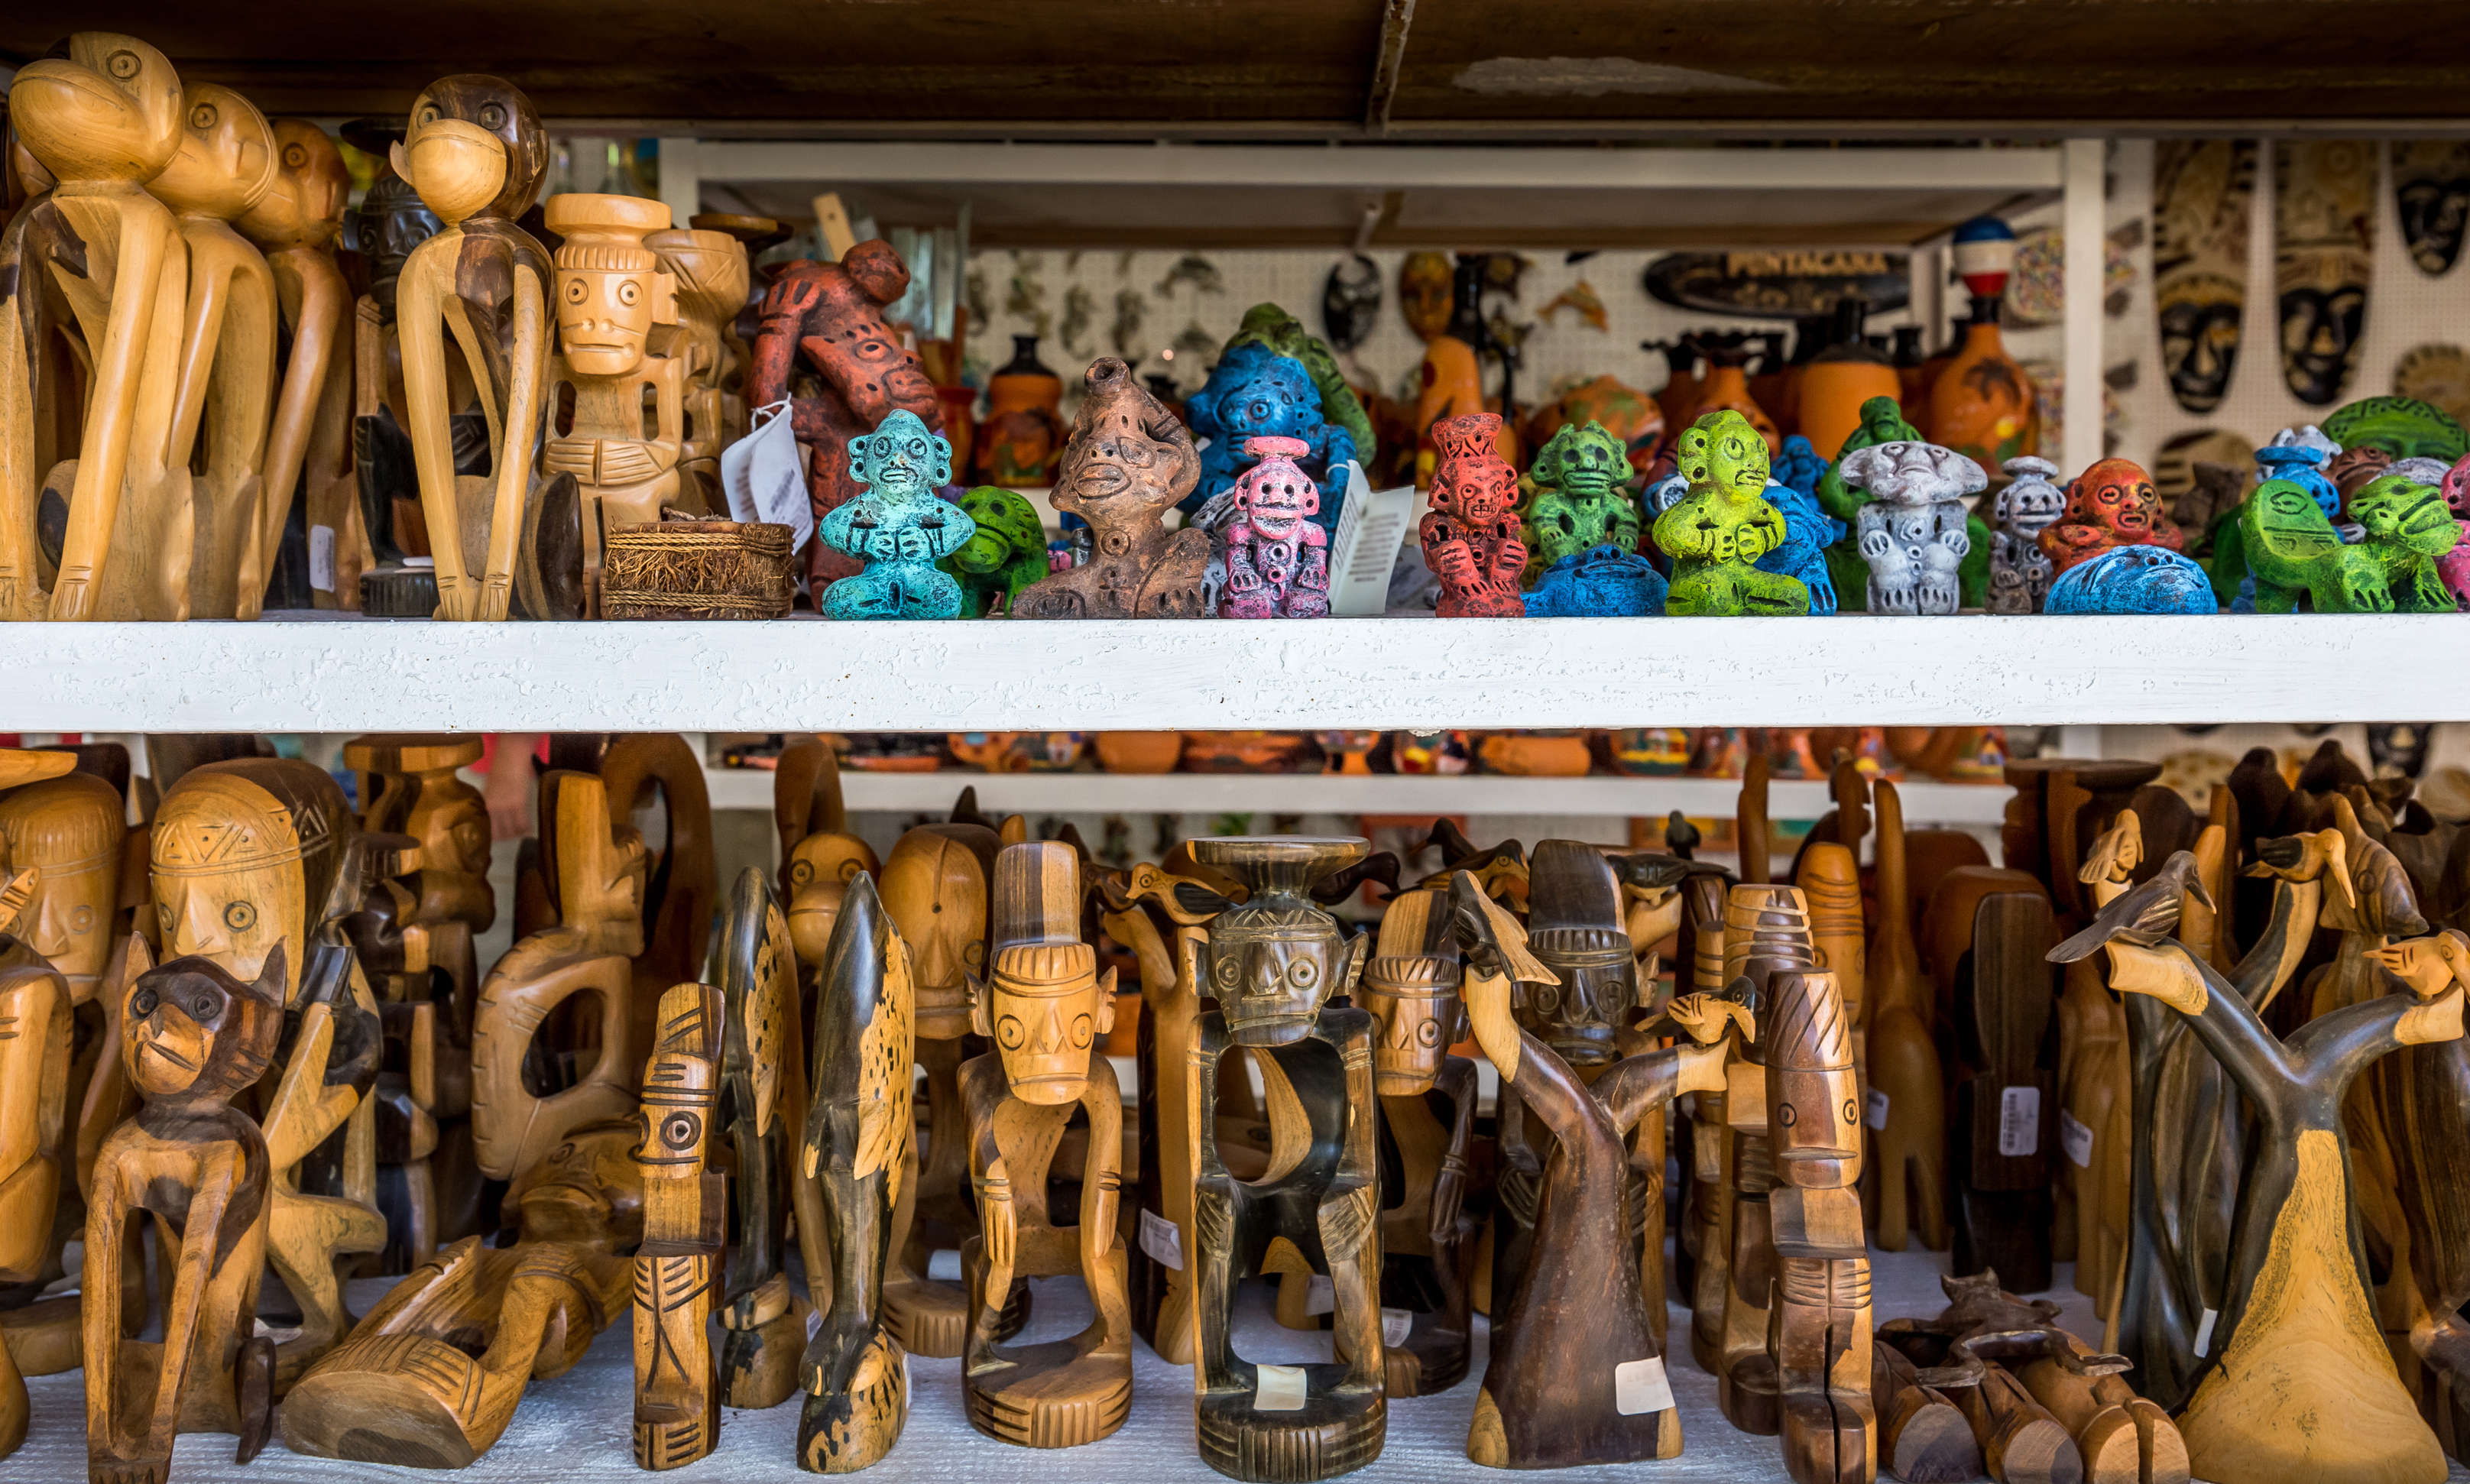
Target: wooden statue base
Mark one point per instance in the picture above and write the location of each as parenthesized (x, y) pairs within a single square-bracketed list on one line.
[(399, 591), (931, 1317), (1334, 1432), (390, 1398), (758, 1367), (1051, 1396), (1431, 1360)]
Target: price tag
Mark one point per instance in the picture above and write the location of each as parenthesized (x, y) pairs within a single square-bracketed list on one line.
[(2019, 1121), (1280, 1388), (321, 558), (1641, 1387), (1320, 1295), (2205, 1331), (1161, 1240), (944, 1265), (2076, 1139), (1873, 1109), (1396, 1324)]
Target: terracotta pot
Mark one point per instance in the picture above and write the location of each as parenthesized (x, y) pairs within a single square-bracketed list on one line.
[(1626, 412), (1140, 752), (1981, 406), (1022, 437), (960, 421), (1839, 378), (1727, 389), (1679, 397), (1536, 755)]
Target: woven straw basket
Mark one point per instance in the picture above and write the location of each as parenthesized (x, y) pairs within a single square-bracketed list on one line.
[(697, 569)]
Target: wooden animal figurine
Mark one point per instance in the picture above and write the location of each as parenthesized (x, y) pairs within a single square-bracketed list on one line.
[(1717, 532), (1275, 962), (1912, 530), (294, 224), (1004, 557), (475, 153), (1278, 557), (857, 1148), (2133, 580), (897, 525), (2290, 545), (193, 1036), (2408, 530), (2110, 504), (1127, 463), (1469, 535), (1580, 498), (101, 120), (826, 320), (1255, 392), (2298, 1336), (616, 319), (1576, 1375), (1047, 1009), (1429, 1241), (1906, 1101), (713, 275), (677, 1269)]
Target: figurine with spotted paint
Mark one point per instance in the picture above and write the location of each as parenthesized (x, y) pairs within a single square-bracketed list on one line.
[(1718, 531), (1470, 536), (2110, 504), (1912, 532), (2020, 572), (1579, 499), (2409, 531), (2133, 580), (899, 525), (1277, 560), (1254, 392), (1004, 557), (2453, 567), (2290, 545), (1808, 531)]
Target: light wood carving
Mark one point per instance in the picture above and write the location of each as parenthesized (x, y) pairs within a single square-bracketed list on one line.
[(677, 1269)]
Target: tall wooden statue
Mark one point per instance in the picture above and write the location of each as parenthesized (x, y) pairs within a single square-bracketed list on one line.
[(475, 153), (677, 1269), (34, 1069), (393, 222), (2006, 1098), (858, 1147), (1047, 1009), (1576, 1375), (713, 275), (1906, 1109), (93, 290), (1274, 964), (682, 893)]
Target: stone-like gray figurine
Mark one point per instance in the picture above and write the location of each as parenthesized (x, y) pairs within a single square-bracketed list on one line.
[(2019, 569), (1912, 531)]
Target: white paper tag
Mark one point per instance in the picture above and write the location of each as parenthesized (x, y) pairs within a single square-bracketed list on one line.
[(1320, 1295), (764, 478), (423, 564), (2019, 1121), (1641, 1387), (2076, 1139), (1281, 1389), (2205, 1331), (1873, 1109), (321, 558), (1161, 1241), (1396, 1324), (944, 1265)]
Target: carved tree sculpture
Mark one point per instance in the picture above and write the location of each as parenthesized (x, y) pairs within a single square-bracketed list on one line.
[(677, 1269)]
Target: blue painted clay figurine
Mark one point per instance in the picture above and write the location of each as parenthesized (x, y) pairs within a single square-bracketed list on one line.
[(1913, 531), (2302, 465), (1797, 464), (1809, 529), (2133, 580), (897, 525), (1254, 392), (1605, 582)]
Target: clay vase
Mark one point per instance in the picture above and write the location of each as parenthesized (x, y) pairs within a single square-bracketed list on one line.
[(1450, 381), (1727, 388), (1140, 752), (960, 421), (1910, 360), (1839, 378), (1626, 412), (1767, 382), (1534, 755), (1983, 405), (1678, 400), (1022, 437)]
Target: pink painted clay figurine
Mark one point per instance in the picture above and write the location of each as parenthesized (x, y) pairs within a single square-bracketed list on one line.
[(1471, 536), (1277, 560), (2453, 568)]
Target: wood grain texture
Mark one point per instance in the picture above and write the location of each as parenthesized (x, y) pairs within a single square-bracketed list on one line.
[(677, 1269), (1907, 1164), (761, 1100)]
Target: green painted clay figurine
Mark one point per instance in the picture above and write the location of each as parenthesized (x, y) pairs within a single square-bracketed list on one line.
[(1007, 553), (2409, 526), (1719, 529), (2293, 550), (1580, 499)]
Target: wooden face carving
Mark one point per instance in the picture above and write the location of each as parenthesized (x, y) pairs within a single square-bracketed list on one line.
[(1575, 930), (394, 220), (587, 1190), (228, 876), (1425, 294), (104, 107), (495, 107), (1410, 988), (71, 829), (935, 890), (193, 1033), (304, 207), (227, 157), (821, 866), (1043, 1007), (611, 290)]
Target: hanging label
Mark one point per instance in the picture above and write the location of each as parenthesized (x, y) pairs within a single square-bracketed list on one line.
[(1641, 1387), (944, 1265), (2019, 1121), (1320, 1295), (1161, 1240), (1396, 1324), (2205, 1331), (321, 558), (764, 478), (2076, 1139), (1280, 1388), (1873, 1109)]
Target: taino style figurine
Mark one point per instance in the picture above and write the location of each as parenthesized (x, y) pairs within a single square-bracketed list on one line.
[(1912, 530), (2110, 504), (1716, 533), (677, 1269), (2133, 580), (2019, 569), (1470, 537), (1605, 582), (2289, 544), (1277, 560), (897, 524), (1129, 462), (1580, 498), (2408, 529), (1004, 558), (1255, 392)]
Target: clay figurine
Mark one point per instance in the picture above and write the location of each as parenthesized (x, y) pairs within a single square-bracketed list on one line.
[(1882, 421), (1003, 557), (1277, 560), (1129, 462), (1254, 392), (1470, 537), (2293, 550), (2301, 464), (897, 525), (1717, 532), (2019, 570), (2453, 567), (2134, 580), (1606, 582), (1579, 499), (1984, 403), (2110, 504), (2400, 427), (1268, 324), (1912, 531), (1808, 531), (2408, 530)]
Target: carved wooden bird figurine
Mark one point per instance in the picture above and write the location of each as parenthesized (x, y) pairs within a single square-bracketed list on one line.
[(2144, 916), (2428, 966), (2306, 858), (2115, 855)]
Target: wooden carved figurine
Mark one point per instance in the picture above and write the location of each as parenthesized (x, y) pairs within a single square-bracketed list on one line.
[(1470, 535), (475, 153), (826, 318), (713, 275), (1912, 530), (1047, 1009), (857, 1148), (35, 1074), (2110, 504), (1278, 557), (93, 290), (1576, 1375), (1906, 1105), (897, 525), (2005, 1097), (1716, 533), (1428, 1240), (677, 1269), (1127, 463), (1273, 962)]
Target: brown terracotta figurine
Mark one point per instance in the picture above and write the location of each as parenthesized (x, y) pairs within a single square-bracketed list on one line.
[(1127, 465), (2110, 504)]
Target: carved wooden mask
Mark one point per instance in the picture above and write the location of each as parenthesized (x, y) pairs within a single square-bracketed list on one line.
[(1045, 1003), (227, 875), (1410, 988), (71, 828)]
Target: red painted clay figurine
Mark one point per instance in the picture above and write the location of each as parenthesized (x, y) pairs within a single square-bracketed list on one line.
[(1471, 536)]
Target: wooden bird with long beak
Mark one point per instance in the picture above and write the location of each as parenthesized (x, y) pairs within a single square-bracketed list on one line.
[(2144, 916)]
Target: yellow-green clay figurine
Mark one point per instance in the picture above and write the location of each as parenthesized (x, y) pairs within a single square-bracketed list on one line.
[(1717, 532)]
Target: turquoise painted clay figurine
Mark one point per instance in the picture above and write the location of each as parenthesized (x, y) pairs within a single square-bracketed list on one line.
[(1580, 498), (1718, 531), (2294, 552), (2408, 529), (897, 525), (1882, 421), (2134, 580), (1254, 392), (1606, 582), (2403, 427), (1912, 532), (1809, 529), (1269, 325), (1006, 554)]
